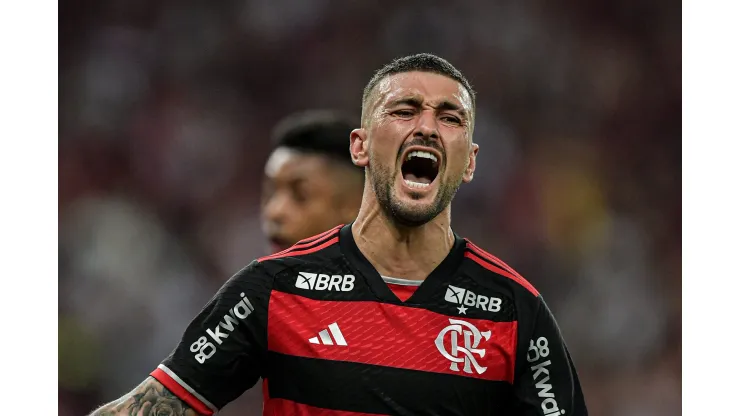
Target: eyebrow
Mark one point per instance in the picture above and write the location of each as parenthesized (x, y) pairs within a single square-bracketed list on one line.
[(416, 102), (448, 105), (413, 101)]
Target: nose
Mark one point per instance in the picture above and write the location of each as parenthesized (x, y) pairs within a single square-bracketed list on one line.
[(275, 208), (426, 127)]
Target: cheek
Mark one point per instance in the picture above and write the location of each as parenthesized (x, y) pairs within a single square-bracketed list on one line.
[(457, 158), (387, 137)]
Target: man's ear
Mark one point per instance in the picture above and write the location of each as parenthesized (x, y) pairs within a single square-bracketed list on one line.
[(468, 175), (358, 147)]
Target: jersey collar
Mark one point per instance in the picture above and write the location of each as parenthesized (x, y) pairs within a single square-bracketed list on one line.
[(442, 274)]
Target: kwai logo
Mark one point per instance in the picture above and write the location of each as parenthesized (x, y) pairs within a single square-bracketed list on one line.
[(470, 336), (465, 297), (315, 281), (539, 350), (204, 349)]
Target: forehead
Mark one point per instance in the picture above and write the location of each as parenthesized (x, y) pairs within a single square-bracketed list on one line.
[(285, 164), (427, 85)]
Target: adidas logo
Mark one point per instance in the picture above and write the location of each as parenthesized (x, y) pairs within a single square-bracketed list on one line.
[(325, 339)]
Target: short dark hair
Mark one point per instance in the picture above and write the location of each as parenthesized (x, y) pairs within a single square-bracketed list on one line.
[(324, 132), (423, 62)]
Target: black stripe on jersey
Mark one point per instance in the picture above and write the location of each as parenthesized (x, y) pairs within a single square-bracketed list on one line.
[(321, 236), (496, 265), (347, 386), (486, 259), (304, 249), (472, 248), (313, 243), (505, 271)]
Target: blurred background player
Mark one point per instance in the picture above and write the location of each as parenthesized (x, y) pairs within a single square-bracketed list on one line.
[(310, 183)]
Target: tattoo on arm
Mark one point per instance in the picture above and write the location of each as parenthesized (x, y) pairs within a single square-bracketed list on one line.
[(150, 398)]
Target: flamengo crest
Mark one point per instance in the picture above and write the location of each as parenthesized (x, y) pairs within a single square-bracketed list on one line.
[(464, 339)]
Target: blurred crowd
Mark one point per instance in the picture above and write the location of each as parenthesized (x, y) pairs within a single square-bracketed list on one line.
[(166, 107)]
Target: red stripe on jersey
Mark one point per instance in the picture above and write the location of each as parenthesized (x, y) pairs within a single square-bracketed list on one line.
[(491, 257), (304, 243), (389, 335), (515, 277), (281, 407), (292, 253), (402, 292), (181, 392), (307, 241), (265, 393)]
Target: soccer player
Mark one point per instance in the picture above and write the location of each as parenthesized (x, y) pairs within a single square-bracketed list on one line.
[(321, 326), (310, 183)]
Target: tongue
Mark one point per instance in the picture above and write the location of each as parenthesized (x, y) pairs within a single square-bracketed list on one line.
[(418, 179)]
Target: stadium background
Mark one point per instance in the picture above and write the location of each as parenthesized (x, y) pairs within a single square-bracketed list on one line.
[(165, 108)]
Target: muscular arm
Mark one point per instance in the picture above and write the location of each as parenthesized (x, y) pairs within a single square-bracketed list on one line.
[(220, 355), (149, 398)]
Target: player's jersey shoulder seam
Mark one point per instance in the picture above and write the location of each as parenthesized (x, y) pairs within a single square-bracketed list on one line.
[(307, 246), (496, 266), (261, 269)]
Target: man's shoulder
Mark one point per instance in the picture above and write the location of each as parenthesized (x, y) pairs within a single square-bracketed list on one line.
[(487, 267), (316, 249)]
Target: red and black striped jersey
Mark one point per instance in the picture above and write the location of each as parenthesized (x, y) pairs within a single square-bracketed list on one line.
[(327, 336)]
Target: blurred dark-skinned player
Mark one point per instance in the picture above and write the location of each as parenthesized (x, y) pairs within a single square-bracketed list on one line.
[(310, 183)]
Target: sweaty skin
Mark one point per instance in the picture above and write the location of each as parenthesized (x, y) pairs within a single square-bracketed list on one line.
[(393, 248), (386, 87)]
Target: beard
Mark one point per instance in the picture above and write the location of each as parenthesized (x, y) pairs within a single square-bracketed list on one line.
[(382, 179)]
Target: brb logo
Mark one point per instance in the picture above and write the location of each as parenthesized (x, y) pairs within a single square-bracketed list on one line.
[(465, 297), (464, 339), (314, 281)]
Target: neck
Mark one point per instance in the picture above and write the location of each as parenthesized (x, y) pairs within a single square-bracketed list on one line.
[(398, 251)]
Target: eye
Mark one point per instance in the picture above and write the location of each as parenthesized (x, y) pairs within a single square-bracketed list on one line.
[(451, 119), (404, 113), (299, 196)]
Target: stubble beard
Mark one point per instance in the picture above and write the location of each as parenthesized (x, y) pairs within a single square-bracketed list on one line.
[(382, 180)]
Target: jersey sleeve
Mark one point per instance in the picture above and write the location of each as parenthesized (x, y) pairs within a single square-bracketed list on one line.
[(221, 354), (546, 383)]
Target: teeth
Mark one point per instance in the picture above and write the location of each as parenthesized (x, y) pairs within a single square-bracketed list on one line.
[(421, 153), (415, 184)]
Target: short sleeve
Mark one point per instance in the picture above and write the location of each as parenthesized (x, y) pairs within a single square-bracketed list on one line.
[(547, 383), (221, 354)]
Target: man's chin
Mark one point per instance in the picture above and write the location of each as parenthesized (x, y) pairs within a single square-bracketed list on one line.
[(413, 213), (415, 201)]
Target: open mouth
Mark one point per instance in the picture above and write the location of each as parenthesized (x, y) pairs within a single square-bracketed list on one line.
[(419, 169)]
